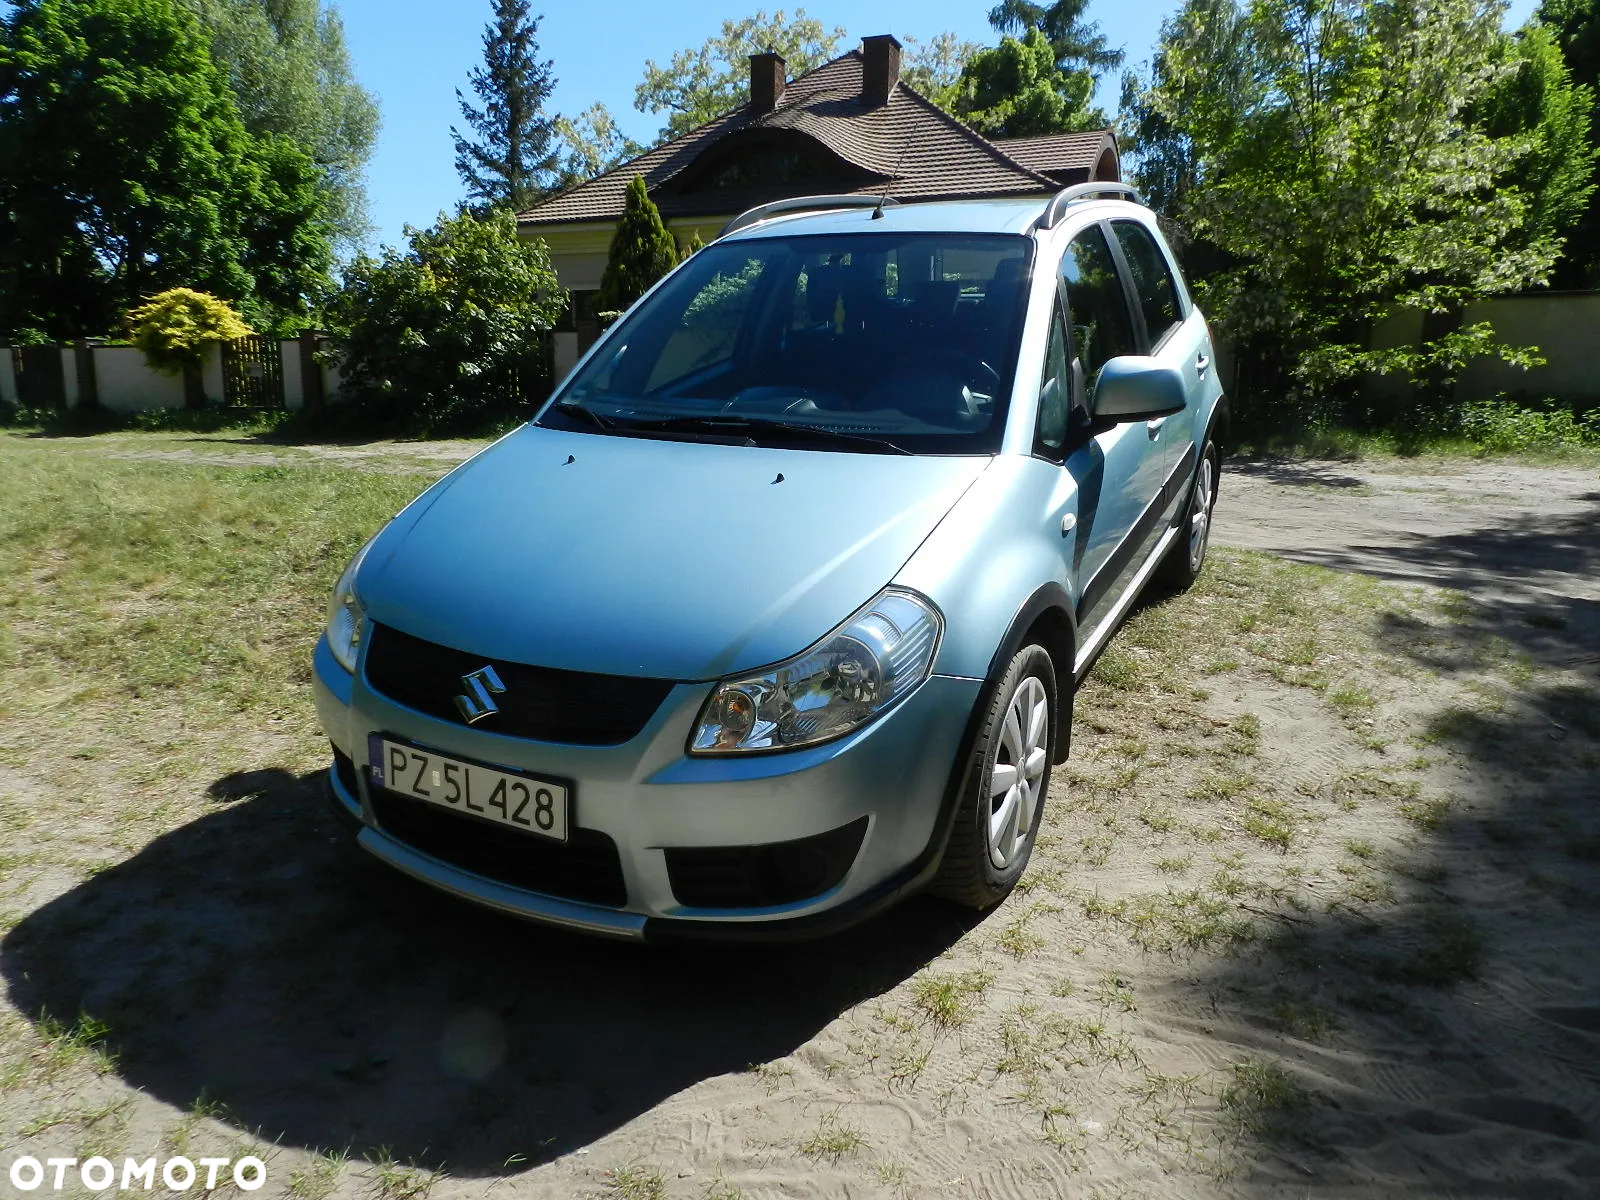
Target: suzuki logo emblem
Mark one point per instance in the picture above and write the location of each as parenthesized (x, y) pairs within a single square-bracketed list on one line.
[(477, 703)]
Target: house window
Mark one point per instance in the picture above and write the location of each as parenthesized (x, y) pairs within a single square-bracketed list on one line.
[(761, 166)]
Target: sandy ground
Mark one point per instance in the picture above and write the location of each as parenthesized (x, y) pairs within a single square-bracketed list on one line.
[(1506, 534), (1416, 960), (1499, 531)]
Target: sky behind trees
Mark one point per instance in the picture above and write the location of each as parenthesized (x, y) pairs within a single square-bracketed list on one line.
[(413, 56)]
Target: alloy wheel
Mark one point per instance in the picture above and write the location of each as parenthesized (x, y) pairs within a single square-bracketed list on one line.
[(1017, 778), (1200, 515)]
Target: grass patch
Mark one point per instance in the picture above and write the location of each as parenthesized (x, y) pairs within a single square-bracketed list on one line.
[(1017, 940), (80, 1043), (395, 1180), (1427, 815), (636, 1182), (832, 1139), (1270, 820), (1451, 949), (1304, 1020), (948, 1000), (1259, 1095), (317, 1179)]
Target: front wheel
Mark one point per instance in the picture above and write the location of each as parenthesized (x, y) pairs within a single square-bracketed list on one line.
[(1008, 775), (1188, 554)]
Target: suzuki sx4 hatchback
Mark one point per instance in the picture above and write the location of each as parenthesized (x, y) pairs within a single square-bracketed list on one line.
[(774, 614)]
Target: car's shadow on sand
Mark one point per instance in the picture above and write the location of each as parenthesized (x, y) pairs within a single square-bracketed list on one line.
[(256, 957)]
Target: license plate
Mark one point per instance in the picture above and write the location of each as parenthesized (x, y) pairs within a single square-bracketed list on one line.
[(535, 806)]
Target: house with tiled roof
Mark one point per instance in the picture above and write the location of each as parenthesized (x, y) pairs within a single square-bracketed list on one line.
[(850, 126)]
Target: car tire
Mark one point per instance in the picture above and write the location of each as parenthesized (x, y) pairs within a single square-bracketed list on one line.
[(1187, 557), (1000, 807)]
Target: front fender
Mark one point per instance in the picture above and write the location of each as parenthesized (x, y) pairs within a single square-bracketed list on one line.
[(999, 552)]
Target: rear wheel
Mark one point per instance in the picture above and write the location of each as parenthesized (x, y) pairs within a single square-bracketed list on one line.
[(1008, 776), (1184, 561)]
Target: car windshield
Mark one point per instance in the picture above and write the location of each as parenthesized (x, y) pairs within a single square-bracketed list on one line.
[(867, 341)]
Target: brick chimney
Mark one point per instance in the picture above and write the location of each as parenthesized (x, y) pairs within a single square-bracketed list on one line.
[(767, 81), (880, 69)]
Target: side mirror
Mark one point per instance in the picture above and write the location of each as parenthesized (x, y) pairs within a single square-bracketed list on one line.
[(1134, 388)]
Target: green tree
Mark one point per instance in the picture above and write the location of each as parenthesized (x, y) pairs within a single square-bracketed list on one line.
[(289, 69), (699, 84), (450, 331), (591, 144), (642, 251), (1078, 44), (127, 170), (1205, 69), (934, 67), (1352, 181), (512, 162), (1016, 90), (1576, 26), (1536, 99)]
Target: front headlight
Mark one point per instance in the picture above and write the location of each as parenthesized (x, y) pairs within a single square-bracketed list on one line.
[(871, 661), (344, 613)]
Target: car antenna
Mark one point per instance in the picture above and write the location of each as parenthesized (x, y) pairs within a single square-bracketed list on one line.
[(877, 212)]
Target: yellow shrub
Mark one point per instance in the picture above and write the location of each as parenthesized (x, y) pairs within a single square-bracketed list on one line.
[(171, 328)]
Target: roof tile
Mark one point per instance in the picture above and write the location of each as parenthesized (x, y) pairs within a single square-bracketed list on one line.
[(908, 145)]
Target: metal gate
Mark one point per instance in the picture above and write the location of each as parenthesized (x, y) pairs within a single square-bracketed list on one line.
[(252, 373), (40, 383)]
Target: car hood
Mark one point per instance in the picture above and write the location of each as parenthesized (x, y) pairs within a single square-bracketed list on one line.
[(634, 556)]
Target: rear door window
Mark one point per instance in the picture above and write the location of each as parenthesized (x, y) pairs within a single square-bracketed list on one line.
[(1153, 282)]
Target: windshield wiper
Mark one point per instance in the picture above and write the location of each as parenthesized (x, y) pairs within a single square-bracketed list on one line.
[(568, 408), (728, 422)]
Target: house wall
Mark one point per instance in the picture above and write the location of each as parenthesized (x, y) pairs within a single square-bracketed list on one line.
[(578, 253)]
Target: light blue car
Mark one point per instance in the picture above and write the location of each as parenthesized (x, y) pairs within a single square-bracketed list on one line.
[(775, 614)]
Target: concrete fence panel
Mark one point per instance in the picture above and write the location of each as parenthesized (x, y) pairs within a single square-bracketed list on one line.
[(69, 375), (211, 373), (294, 393), (128, 384), (1566, 328), (9, 396)]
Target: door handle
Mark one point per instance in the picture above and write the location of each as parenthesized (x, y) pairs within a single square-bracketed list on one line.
[(1202, 364), (1154, 427)]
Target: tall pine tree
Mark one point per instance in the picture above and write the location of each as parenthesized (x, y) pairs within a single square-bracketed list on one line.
[(513, 160)]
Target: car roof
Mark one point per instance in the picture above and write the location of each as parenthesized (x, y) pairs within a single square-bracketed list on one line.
[(952, 216), (1009, 216)]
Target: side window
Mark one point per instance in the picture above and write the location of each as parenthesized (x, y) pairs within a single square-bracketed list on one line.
[(1055, 391), (1097, 306), (1152, 279)]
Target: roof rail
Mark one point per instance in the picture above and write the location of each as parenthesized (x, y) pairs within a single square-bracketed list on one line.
[(762, 212), (1057, 208)]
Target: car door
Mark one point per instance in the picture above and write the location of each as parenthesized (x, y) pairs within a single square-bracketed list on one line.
[(1119, 469), (1174, 334)]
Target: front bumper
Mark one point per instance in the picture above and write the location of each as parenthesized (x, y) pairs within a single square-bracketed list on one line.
[(648, 797)]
